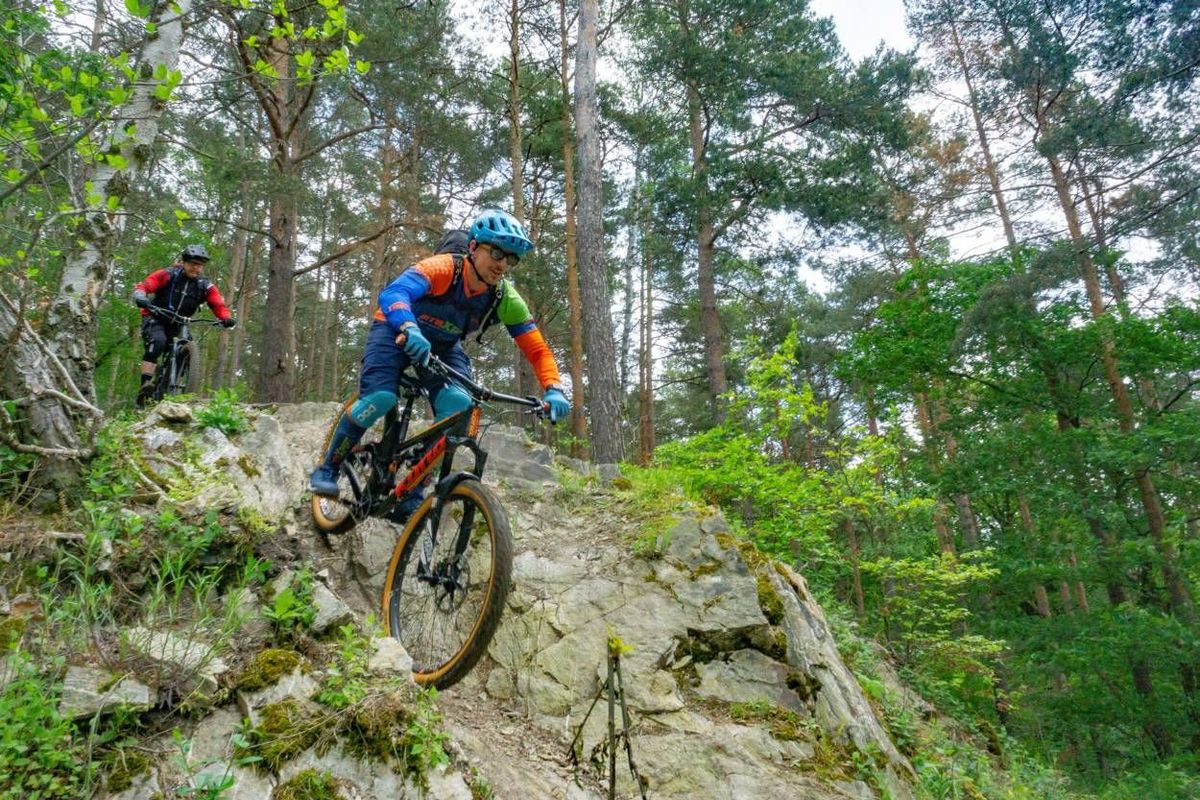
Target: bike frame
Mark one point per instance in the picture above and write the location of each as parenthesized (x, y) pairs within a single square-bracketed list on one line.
[(440, 442), (169, 363), (178, 344)]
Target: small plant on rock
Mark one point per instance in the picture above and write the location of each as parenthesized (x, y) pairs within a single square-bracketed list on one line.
[(38, 756), (223, 413), (346, 678), (292, 606)]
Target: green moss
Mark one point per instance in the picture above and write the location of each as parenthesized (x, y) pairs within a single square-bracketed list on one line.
[(377, 726), (309, 785), (123, 767), (248, 466), (11, 631), (266, 668), (481, 789), (759, 563), (769, 600), (399, 727), (783, 723), (286, 731)]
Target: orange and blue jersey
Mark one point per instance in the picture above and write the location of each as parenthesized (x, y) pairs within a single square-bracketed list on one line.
[(428, 294)]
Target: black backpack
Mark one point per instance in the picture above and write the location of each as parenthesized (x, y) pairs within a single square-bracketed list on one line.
[(454, 242)]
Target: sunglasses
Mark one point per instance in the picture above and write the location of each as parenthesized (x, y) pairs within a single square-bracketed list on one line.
[(499, 255)]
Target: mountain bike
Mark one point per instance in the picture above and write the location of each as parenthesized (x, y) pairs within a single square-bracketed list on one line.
[(449, 573), (173, 373)]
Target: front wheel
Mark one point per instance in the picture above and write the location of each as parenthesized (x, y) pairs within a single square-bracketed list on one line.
[(443, 598), (181, 381)]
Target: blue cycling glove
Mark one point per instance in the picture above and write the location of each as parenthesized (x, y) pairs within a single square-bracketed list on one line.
[(416, 346), (559, 407)]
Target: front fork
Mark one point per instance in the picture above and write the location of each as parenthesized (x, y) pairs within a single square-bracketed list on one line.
[(448, 573)]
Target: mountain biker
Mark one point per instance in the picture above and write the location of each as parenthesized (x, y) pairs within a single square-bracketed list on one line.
[(178, 288), (430, 308)]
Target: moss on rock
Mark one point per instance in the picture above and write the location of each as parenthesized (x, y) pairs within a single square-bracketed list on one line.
[(123, 767), (267, 667), (286, 731), (308, 785)]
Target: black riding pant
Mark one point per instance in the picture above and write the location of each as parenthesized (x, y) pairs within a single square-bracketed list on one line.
[(155, 336)]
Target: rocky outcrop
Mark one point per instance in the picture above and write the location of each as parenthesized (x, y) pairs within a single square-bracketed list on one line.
[(733, 681)]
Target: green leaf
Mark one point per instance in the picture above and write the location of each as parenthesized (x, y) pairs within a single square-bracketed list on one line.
[(113, 202), (136, 8), (362, 66)]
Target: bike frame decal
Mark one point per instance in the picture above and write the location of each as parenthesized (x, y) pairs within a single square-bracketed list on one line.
[(473, 425), (421, 468)]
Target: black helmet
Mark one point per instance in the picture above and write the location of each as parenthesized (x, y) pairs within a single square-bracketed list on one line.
[(194, 252)]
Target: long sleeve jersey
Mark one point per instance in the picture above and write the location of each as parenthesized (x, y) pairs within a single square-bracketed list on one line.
[(172, 289), (433, 294)]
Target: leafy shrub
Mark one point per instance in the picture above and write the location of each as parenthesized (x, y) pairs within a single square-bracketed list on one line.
[(346, 678), (223, 413), (292, 606), (38, 756)]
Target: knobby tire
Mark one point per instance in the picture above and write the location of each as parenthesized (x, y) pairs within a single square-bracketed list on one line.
[(447, 634)]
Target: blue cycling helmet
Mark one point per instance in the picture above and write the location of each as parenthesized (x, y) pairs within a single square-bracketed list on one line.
[(500, 228)]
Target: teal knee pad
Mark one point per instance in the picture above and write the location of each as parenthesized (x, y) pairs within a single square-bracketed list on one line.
[(371, 407), (449, 401)]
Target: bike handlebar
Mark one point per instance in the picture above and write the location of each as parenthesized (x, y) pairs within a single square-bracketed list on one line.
[(482, 393), (171, 316), (439, 367)]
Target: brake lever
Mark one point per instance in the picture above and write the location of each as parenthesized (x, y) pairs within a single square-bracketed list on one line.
[(541, 410)]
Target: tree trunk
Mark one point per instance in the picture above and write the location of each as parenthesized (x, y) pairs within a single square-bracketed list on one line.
[(1177, 590), (574, 305), (237, 276), (604, 402), (860, 609), (52, 373), (646, 358), (514, 108), (989, 163), (277, 372), (710, 319), (249, 289)]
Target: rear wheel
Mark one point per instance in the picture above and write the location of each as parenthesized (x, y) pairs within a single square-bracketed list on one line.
[(443, 605), (333, 514)]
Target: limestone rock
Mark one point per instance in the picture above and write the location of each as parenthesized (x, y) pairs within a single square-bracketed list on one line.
[(748, 676), (842, 707), (332, 611), (389, 658), (172, 413), (88, 691), (183, 665)]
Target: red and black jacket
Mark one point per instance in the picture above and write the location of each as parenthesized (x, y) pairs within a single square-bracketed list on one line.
[(173, 290)]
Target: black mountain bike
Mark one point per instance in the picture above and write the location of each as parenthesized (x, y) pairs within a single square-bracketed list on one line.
[(173, 373), (449, 573)]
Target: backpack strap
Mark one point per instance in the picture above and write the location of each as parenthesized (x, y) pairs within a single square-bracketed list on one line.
[(492, 315)]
